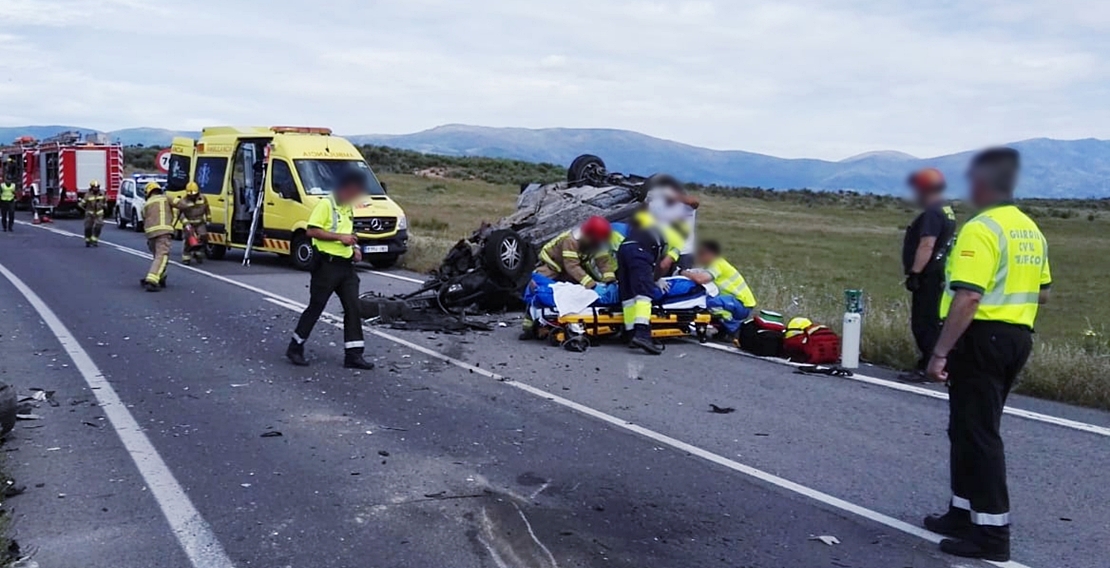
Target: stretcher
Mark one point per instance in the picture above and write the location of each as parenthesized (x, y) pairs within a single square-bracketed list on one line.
[(670, 317)]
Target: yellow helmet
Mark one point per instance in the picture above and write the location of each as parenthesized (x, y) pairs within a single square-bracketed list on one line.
[(151, 187), (797, 326), (192, 188), (94, 184)]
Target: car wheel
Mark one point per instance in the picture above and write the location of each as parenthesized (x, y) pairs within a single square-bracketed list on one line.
[(120, 223), (136, 224), (215, 252), (506, 254), (382, 262), (302, 253), (586, 169)]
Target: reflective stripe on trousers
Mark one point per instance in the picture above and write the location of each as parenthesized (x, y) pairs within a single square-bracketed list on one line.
[(637, 311)]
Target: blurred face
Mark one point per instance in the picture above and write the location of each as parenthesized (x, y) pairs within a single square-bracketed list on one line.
[(348, 194), (704, 257), (979, 192)]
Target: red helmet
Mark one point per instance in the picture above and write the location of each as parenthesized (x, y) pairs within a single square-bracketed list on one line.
[(597, 229), (928, 179)]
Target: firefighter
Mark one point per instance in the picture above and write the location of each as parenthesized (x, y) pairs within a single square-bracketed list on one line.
[(331, 227), (7, 206), (157, 219), (93, 203), (924, 249), (193, 209), (580, 256), (735, 300), (997, 277), (648, 252)]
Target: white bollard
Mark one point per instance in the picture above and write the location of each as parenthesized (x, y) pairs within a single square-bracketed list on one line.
[(849, 344)]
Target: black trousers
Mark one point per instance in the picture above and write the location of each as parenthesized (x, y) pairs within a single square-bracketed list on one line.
[(981, 371), (333, 276), (7, 214), (925, 315)]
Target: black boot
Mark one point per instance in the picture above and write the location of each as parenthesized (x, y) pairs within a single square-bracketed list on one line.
[(150, 287), (956, 523), (354, 360), (999, 552), (295, 353), (162, 282)]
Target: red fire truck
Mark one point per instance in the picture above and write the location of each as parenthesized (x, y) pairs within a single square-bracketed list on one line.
[(55, 173)]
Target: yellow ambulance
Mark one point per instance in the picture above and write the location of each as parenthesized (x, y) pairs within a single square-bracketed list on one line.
[(272, 177)]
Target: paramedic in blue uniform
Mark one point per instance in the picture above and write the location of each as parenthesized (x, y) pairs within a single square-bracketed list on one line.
[(924, 250), (331, 227), (648, 252), (997, 277)]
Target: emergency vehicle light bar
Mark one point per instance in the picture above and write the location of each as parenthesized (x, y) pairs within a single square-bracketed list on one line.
[(301, 130)]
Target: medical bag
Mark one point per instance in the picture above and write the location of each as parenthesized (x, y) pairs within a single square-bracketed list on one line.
[(815, 345), (762, 334)]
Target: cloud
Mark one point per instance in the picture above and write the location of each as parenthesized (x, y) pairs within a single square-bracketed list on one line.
[(788, 77)]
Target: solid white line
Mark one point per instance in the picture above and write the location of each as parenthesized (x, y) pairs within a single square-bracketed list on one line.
[(769, 478), (922, 391), (193, 533)]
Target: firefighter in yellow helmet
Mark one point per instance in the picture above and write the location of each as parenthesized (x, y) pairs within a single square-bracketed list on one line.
[(93, 204), (193, 209), (157, 220)]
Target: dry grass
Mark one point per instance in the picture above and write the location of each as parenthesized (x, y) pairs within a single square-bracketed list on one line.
[(800, 259)]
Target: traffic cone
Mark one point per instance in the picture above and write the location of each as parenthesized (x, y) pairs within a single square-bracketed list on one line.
[(36, 220)]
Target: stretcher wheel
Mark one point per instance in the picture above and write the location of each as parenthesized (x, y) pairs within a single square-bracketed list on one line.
[(703, 334), (578, 344)]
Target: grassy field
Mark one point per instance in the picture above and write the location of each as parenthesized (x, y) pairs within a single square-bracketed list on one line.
[(800, 258)]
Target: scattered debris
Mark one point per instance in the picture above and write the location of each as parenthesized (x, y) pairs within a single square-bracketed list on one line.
[(383, 453), (272, 434), (825, 538), (28, 416), (721, 409), (835, 371)]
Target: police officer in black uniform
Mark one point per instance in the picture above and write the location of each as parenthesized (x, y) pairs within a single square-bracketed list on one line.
[(331, 227), (924, 249), (997, 276)]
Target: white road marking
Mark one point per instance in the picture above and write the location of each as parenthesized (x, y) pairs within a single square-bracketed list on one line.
[(193, 533), (922, 391), (532, 533), (691, 449)]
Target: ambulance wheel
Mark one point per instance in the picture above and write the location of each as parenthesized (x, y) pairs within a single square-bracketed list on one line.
[(577, 344), (302, 254), (215, 252), (506, 254)]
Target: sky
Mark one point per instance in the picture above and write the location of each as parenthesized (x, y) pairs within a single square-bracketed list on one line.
[(794, 78)]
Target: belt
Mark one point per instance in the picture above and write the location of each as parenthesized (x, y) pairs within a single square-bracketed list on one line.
[(325, 257)]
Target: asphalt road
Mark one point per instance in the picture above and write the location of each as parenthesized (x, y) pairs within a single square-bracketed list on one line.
[(471, 450)]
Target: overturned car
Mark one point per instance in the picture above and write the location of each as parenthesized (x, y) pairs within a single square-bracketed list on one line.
[(489, 270)]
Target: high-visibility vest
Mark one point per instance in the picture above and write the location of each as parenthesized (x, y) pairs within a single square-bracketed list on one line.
[(730, 282), (157, 217), (7, 191), (1002, 254), (337, 219)]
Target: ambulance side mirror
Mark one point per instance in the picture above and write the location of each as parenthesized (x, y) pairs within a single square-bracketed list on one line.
[(385, 188)]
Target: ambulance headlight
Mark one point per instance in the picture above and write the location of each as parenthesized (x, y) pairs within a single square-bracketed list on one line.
[(402, 223)]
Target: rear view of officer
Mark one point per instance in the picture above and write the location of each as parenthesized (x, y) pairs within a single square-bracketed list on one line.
[(331, 227), (7, 205), (93, 203), (924, 250), (997, 277), (158, 226)]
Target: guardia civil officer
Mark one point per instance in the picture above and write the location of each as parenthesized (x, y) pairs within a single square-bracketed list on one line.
[(331, 227), (997, 276)]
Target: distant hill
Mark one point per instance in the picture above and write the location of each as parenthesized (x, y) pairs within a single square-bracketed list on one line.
[(1053, 168)]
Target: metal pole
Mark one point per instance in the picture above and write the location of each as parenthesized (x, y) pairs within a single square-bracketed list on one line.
[(257, 213)]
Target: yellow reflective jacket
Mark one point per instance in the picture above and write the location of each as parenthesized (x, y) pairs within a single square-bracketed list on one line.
[(157, 216)]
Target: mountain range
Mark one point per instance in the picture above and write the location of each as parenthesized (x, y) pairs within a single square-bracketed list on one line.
[(1052, 168)]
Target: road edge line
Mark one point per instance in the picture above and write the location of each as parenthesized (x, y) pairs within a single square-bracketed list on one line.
[(193, 533)]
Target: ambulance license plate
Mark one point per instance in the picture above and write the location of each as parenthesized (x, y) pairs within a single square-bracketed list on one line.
[(372, 249)]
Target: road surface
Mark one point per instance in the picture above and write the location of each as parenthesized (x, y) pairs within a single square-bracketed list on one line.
[(467, 451)]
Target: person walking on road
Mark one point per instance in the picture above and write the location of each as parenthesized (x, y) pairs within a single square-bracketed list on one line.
[(157, 219), (194, 211), (331, 227), (93, 203), (924, 250), (997, 277), (7, 206)]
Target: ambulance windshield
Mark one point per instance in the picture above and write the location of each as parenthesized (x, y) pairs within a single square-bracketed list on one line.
[(319, 176)]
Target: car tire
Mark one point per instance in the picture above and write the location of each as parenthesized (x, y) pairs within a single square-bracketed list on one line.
[(384, 261), (120, 223), (586, 169), (301, 252), (215, 252), (136, 224), (506, 254)]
